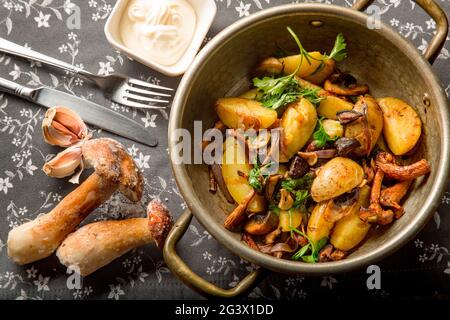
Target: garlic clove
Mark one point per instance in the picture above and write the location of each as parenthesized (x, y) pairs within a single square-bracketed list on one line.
[(65, 163), (63, 127)]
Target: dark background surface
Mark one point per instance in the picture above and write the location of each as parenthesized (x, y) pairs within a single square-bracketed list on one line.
[(419, 270)]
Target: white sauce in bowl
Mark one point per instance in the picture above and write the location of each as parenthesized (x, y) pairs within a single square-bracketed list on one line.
[(159, 30)]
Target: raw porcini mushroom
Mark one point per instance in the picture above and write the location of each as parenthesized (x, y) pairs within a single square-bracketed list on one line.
[(260, 224), (239, 214), (114, 169), (375, 213), (386, 163), (63, 127), (391, 197), (97, 244)]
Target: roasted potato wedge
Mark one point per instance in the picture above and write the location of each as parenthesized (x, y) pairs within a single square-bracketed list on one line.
[(336, 177), (318, 226), (289, 219), (351, 230), (240, 113), (320, 75), (331, 105), (356, 129), (298, 123), (233, 161), (402, 126), (290, 64)]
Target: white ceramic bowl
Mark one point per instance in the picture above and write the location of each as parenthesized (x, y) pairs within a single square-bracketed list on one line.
[(205, 11)]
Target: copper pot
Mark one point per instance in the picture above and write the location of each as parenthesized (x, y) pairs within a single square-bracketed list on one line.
[(381, 58)]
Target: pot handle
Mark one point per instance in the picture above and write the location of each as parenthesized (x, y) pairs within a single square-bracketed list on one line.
[(435, 12), (189, 277)]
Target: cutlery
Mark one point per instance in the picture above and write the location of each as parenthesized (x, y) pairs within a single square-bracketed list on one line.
[(116, 87), (90, 112)]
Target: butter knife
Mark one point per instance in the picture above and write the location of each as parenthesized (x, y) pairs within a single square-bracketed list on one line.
[(90, 112)]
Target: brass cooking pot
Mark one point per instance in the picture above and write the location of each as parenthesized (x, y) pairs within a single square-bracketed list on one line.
[(380, 57)]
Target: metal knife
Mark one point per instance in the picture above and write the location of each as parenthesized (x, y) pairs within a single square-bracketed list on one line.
[(90, 112)]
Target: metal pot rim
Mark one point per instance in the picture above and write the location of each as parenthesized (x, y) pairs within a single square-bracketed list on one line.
[(292, 267)]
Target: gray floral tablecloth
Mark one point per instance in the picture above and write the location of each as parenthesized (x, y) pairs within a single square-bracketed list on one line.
[(421, 269)]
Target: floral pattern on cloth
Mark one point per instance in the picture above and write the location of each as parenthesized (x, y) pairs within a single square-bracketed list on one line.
[(420, 269)]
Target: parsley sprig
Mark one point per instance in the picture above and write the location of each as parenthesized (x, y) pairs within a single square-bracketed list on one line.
[(278, 92), (311, 247), (258, 175), (320, 136), (339, 51)]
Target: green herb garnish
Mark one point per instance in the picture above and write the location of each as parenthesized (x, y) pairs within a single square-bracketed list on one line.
[(320, 136), (273, 207), (258, 175), (303, 183), (301, 197), (278, 92), (313, 248), (339, 51)]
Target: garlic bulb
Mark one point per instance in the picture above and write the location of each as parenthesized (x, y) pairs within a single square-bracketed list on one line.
[(63, 127)]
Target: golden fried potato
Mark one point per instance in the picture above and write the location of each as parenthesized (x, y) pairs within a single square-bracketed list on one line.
[(320, 75), (318, 226), (233, 161), (402, 126), (356, 129), (240, 113), (331, 105), (298, 123), (336, 177), (351, 230), (289, 219), (291, 63), (333, 128)]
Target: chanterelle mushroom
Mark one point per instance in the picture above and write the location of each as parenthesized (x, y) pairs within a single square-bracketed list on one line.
[(114, 169)]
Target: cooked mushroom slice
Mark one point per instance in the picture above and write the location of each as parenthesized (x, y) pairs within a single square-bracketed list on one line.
[(385, 162), (353, 90), (337, 255), (346, 145), (325, 253), (391, 197), (270, 238), (270, 65), (286, 200), (348, 116), (310, 157), (260, 224), (375, 213), (249, 241), (271, 185), (239, 214), (298, 168), (216, 170), (341, 206)]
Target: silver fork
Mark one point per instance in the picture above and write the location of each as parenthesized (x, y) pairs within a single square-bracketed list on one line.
[(116, 87)]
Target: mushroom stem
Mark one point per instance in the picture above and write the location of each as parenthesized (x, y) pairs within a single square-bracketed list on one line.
[(238, 215), (114, 169), (386, 163), (375, 213), (97, 244), (391, 197), (37, 239)]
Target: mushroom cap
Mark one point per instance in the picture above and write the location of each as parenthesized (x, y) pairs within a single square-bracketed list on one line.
[(111, 161), (159, 221)]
